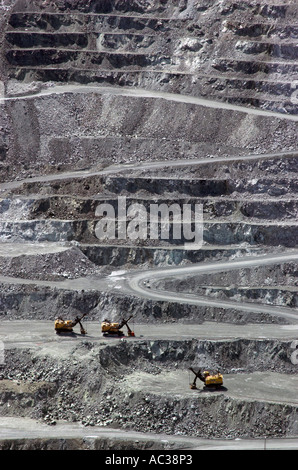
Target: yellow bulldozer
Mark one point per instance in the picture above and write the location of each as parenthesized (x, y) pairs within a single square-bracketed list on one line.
[(210, 381), (67, 326), (109, 328)]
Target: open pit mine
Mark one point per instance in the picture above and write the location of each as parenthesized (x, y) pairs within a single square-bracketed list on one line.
[(148, 224)]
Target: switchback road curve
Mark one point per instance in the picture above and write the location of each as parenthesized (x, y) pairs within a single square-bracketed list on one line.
[(138, 284)]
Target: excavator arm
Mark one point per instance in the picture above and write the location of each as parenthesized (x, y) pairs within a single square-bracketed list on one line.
[(125, 323), (198, 375), (76, 321)]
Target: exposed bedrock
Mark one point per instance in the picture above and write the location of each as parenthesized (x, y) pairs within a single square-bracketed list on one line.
[(104, 129), (43, 388), (23, 301), (84, 231), (74, 208)]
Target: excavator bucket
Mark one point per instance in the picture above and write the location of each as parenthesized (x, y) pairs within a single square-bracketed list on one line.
[(82, 330)]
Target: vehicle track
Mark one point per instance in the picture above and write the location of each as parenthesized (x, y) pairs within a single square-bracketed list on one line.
[(138, 283), (142, 93), (22, 428), (135, 283), (131, 282)]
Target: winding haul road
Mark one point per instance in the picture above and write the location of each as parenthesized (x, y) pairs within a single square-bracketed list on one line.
[(136, 283)]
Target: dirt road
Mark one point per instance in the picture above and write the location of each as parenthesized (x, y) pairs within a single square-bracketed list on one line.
[(141, 93), (140, 284), (39, 336), (17, 334), (22, 428)]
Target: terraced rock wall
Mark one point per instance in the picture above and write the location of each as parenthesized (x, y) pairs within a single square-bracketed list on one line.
[(200, 48), (186, 102)]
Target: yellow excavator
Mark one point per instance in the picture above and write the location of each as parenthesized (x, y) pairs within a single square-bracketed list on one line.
[(210, 381), (67, 326), (109, 328)]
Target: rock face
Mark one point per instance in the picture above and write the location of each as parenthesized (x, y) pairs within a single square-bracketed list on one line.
[(184, 102), (242, 53), (68, 390)]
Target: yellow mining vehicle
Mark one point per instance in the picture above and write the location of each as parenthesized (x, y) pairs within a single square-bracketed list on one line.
[(109, 328), (210, 381), (66, 326)]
